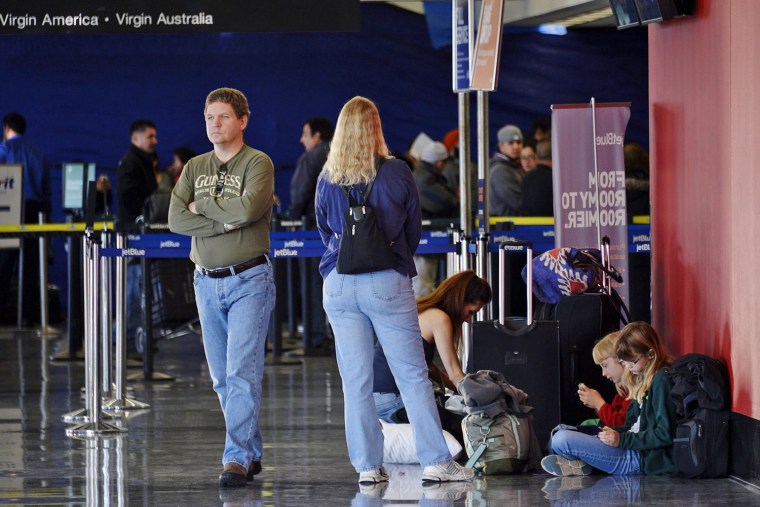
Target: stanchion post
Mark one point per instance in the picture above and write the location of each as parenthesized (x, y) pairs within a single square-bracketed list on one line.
[(74, 318), (106, 375), (20, 298), (275, 321), (147, 318), (92, 323), (121, 401), (93, 427), (121, 322), (291, 291), (44, 319), (464, 252), (481, 257), (452, 260), (305, 268)]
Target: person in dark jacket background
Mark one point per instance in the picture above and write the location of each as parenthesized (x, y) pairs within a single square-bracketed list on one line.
[(316, 135), (16, 149), (135, 176), (135, 182), (437, 200), (537, 185)]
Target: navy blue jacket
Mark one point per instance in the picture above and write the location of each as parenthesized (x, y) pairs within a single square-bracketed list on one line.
[(17, 150), (396, 203)]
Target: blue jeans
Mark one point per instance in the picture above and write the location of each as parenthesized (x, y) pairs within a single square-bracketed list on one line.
[(613, 460), (386, 405), (382, 303), (234, 312)]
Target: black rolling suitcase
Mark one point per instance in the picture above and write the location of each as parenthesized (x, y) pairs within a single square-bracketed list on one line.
[(525, 351), (583, 320)]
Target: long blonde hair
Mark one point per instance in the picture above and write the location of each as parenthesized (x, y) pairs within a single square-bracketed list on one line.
[(604, 349), (357, 143), (637, 339)]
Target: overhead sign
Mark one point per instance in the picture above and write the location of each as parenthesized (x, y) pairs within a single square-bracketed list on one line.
[(461, 49), (485, 66), (143, 16), (11, 176)]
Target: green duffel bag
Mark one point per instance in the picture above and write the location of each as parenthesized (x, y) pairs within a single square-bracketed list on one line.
[(499, 445)]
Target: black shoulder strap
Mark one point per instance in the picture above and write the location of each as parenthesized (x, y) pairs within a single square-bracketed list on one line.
[(347, 192), (367, 190), (365, 194)]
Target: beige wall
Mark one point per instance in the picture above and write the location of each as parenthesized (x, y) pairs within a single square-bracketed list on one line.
[(704, 92)]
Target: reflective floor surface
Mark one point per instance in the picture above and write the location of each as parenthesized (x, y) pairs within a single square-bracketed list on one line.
[(170, 454)]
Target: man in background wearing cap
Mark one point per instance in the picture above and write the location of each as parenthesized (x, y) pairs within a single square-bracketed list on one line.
[(437, 200), (506, 173)]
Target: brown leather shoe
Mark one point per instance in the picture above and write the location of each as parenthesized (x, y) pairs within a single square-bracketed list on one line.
[(253, 469), (233, 476)]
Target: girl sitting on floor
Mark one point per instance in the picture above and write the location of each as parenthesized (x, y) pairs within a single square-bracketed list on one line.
[(613, 413)]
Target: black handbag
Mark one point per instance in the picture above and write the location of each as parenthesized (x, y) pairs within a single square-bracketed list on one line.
[(363, 246)]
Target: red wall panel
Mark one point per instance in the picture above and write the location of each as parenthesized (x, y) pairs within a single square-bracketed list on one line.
[(699, 89)]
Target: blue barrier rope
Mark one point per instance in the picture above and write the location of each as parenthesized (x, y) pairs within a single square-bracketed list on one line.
[(296, 244)]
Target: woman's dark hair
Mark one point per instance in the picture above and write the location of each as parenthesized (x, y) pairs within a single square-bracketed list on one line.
[(453, 294)]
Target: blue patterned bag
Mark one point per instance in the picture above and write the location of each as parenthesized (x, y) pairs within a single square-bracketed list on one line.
[(566, 271)]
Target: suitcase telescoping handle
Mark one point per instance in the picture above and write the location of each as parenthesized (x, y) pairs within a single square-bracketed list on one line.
[(606, 263), (509, 247)]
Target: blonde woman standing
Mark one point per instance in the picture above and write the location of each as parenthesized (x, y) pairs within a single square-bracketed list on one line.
[(379, 303)]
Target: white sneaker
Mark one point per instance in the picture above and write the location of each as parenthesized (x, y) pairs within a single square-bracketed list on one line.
[(451, 471), (373, 476)]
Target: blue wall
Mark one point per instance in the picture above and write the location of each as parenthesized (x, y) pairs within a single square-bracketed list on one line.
[(79, 93)]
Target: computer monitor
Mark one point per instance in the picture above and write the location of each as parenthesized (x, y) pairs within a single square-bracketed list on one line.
[(76, 175), (625, 13)]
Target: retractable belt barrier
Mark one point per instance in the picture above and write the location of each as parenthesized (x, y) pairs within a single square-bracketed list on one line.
[(298, 244), (307, 243)]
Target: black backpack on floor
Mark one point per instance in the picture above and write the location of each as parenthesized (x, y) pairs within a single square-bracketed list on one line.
[(701, 392)]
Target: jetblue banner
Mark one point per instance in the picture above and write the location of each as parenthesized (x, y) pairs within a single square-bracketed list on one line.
[(589, 179), (99, 16)]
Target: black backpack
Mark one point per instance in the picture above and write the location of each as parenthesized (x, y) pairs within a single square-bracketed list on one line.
[(701, 392), (363, 246)]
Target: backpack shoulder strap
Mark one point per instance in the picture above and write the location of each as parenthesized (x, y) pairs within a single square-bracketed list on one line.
[(348, 195), (365, 194)]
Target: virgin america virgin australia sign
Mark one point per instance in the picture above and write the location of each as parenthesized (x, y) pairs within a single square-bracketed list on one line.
[(101, 16)]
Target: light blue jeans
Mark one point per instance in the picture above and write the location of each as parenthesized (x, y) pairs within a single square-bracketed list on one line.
[(613, 460), (387, 404), (360, 307), (234, 312)]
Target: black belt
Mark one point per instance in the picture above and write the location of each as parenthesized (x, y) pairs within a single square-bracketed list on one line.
[(233, 270)]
